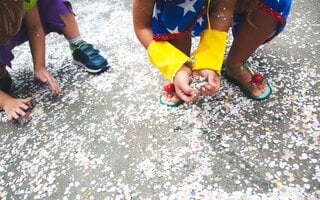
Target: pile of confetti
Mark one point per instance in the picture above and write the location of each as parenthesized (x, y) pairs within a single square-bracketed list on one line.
[(108, 137)]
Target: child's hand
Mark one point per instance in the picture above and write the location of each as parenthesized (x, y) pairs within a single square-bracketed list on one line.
[(213, 84), (45, 76), (15, 108), (182, 87)]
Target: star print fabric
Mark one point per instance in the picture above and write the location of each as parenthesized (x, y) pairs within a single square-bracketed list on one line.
[(173, 18)]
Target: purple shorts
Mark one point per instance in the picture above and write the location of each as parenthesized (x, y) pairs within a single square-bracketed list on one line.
[(49, 13)]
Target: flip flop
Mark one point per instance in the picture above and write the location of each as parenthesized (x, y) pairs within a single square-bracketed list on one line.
[(169, 88), (246, 87), (163, 101)]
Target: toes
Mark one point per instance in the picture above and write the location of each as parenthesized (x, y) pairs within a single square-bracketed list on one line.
[(262, 86), (171, 97), (259, 89)]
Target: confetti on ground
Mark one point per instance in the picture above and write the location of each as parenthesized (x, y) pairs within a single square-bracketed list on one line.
[(107, 136)]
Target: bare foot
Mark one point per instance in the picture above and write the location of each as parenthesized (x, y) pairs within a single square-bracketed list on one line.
[(246, 77), (169, 97), (254, 81)]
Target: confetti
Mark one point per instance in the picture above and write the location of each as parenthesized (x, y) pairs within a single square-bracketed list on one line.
[(107, 136)]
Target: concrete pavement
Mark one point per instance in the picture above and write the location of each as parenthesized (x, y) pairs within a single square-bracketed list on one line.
[(107, 137)]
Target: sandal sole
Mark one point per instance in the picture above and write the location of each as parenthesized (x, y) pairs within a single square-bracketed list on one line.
[(265, 95), (169, 103)]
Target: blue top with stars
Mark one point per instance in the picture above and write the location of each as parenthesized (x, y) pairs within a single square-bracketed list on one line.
[(173, 18)]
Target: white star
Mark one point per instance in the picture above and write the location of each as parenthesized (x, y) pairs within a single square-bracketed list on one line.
[(200, 21), (176, 30), (155, 11), (188, 6)]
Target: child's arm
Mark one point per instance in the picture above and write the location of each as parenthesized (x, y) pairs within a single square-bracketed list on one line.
[(142, 16), (210, 52), (36, 37), (171, 69), (14, 108)]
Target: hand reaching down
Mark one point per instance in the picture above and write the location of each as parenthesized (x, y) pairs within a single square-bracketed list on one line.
[(16, 108), (213, 81), (182, 87), (44, 76)]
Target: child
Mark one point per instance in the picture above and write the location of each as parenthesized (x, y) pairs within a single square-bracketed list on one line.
[(165, 29), (30, 20)]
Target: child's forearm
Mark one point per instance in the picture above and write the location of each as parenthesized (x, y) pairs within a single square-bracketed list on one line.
[(210, 51), (36, 38), (37, 46), (167, 58), (142, 16), (4, 97), (145, 37)]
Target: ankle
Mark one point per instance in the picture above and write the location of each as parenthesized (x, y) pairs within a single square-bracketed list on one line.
[(234, 64), (75, 41)]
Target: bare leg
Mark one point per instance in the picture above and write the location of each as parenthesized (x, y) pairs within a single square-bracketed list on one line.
[(83, 53), (183, 43), (71, 29), (248, 38)]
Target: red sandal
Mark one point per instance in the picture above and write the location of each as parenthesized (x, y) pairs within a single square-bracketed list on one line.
[(246, 88)]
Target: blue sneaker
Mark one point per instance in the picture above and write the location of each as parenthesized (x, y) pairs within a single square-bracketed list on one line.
[(86, 56)]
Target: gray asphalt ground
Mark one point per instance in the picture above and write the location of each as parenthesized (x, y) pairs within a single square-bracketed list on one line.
[(107, 137)]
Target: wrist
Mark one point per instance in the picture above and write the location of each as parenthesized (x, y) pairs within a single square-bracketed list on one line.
[(4, 98), (167, 58), (39, 68), (184, 70), (210, 51)]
